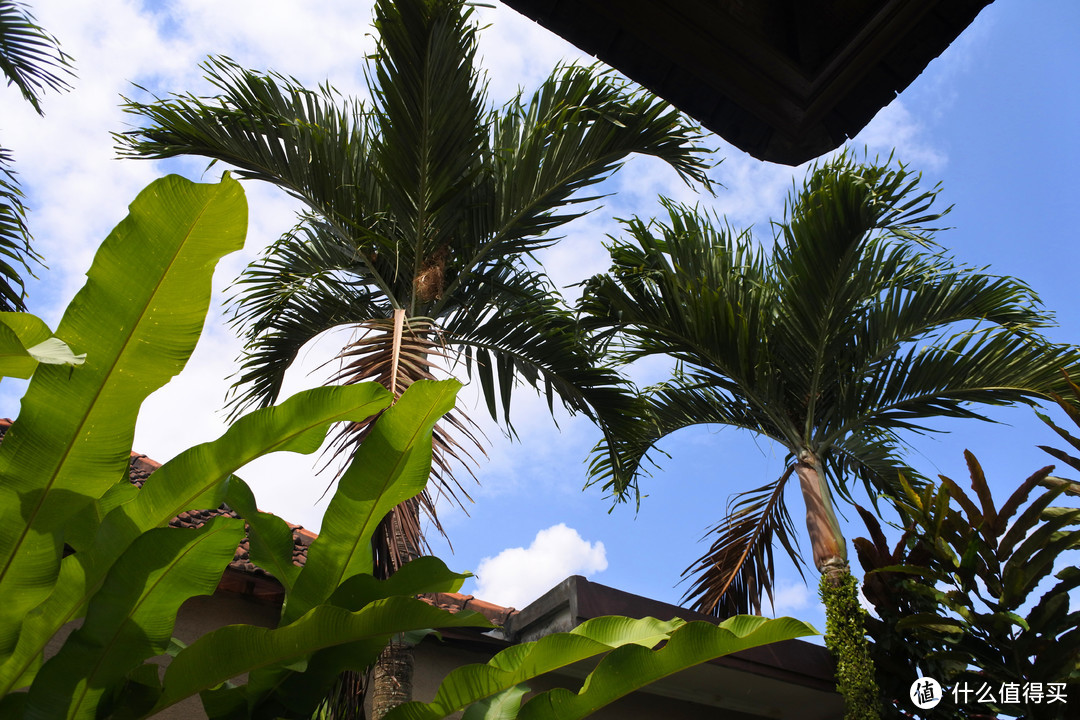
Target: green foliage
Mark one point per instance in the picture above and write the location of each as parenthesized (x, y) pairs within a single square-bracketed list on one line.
[(845, 636), (63, 482), (958, 597), (629, 662), (78, 541), (837, 339), (32, 60)]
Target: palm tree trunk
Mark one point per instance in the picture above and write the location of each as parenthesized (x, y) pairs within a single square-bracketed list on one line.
[(845, 634), (826, 539), (392, 678)]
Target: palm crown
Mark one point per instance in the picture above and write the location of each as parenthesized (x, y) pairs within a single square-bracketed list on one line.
[(423, 208), (852, 328)]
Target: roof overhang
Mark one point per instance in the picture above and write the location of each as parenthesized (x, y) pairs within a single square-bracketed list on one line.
[(784, 81)]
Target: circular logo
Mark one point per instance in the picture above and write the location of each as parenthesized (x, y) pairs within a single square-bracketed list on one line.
[(925, 693)]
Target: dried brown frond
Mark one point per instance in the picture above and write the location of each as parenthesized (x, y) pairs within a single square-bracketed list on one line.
[(738, 568)]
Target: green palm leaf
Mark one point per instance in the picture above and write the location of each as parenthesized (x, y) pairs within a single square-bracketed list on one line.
[(30, 58), (425, 201), (853, 329), (15, 249)]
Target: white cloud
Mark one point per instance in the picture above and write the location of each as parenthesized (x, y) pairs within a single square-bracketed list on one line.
[(895, 128), (791, 598), (517, 576)]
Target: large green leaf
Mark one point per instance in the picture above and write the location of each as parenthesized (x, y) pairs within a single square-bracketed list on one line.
[(270, 538), (131, 618), (630, 663), (631, 667), (138, 326), (237, 649), (299, 687), (391, 466), (194, 479), (25, 340)]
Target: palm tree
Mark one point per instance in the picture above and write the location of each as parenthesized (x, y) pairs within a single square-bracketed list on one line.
[(32, 61), (423, 209), (852, 329)]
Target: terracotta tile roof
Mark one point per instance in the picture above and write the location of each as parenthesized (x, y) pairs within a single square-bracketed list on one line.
[(456, 602), (246, 578)]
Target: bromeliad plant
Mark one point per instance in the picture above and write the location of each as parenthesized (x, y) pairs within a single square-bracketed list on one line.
[(78, 541), (958, 598)]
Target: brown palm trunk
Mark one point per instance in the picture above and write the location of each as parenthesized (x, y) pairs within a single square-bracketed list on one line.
[(826, 539), (392, 678)]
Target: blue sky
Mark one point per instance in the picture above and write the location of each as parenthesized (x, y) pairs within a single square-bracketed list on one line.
[(993, 119)]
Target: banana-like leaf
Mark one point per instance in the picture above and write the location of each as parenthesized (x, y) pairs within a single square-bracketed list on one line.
[(519, 663), (631, 667), (269, 537), (422, 575), (193, 479), (132, 617), (300, 689), (25, 341), (504, 706), (138, 330), (390, 467), (237, 649), (630, 663)]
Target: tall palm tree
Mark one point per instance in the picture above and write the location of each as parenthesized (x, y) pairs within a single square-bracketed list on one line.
[(853, 328), (32, 61), (423, 209)]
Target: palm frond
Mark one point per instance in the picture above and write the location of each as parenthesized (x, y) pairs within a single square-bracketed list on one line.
[(688, 289), (306, 283), (575, 131), (872, 456), (511, 328), (30, 58), (430, 112), (738, 570), (312, 144), (991, 366), (622, 461), (16, 252)]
